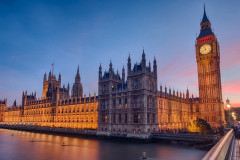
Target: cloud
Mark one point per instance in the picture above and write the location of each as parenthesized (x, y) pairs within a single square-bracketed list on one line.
[(232, 87), (230, 55), (235, 104), (167, 68)]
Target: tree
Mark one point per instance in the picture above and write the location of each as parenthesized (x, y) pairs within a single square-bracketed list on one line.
[(200, 126)]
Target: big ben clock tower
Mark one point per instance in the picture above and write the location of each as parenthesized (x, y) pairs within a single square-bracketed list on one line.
[(209, 77)]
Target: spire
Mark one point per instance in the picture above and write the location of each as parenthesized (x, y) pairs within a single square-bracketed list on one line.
[(100, 72), (187, 94), (49, 75), (59, 77), (150, 68), (110, 68), (77, 77), (205, 18), (129, 65), (45, 77), (129, 58), (68, 86), (110, 64), (78, 70), (154, 61), (155, 66), (123, 74), (143, 54), (206, 29), (143, 60), (15, 103)]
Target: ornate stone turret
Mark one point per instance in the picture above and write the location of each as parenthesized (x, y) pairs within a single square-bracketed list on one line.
[(77, 89), (187, 95), (155, 67), (123, 74), (150, 68), (15, 103), (100, 72), (165, 91), (143, 60), (49, 75), (59, 79), (45, 77), (110, 69), (129, 65)]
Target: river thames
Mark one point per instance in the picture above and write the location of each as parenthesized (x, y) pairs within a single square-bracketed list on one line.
[(20, 145)]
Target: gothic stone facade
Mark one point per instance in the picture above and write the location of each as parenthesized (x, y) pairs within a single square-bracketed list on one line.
[(209, 77), (55, 108), (128, 105)]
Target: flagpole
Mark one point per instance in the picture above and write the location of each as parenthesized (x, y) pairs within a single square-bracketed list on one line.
[(52, 67)]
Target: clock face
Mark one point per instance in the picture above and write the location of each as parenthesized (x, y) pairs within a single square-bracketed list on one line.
[(205, 49)]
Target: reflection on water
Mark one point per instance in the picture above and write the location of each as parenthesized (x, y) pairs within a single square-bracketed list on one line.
[(19, 145)]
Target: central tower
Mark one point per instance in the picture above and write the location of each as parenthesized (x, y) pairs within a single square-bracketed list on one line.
[(209, 77)]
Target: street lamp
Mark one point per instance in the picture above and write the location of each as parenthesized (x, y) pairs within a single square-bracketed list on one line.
[(228, 106)]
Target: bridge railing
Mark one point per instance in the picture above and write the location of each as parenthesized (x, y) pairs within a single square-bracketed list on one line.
[(223, 149)]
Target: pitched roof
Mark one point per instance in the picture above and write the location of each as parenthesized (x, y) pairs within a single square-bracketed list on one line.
[(204, 19)]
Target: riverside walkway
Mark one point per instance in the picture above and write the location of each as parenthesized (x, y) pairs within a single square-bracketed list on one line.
[(228, 148), (236, 155)]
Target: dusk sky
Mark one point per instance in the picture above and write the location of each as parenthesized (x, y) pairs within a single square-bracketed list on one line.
[(33, 34)]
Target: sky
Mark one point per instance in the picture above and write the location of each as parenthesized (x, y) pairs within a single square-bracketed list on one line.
[(34, 34)]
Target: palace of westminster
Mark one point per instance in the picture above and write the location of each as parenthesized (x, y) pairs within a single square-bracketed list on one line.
[(130, 103)]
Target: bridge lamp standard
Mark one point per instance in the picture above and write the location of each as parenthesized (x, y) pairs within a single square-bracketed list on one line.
[(228, 106)]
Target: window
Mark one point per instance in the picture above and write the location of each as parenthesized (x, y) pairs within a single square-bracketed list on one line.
[(104, 118), (135, 84), (104, 88), (125, 117), (114, 118), (126, 101), (153, 118), (148, 118), (114, 103), (120, 118), (136, 118), (120, 101)]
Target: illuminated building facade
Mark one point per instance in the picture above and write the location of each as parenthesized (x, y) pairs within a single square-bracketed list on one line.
[(209, 76), (130, 103), (54, 109)]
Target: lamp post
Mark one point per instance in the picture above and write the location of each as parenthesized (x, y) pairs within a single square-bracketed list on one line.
[(228, 106)]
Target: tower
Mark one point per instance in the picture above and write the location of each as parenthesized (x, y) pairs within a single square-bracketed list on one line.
[(128, 106), (209, 77), (77, 90), (45, 86)]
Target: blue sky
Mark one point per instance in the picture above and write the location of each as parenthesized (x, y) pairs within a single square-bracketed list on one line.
[(33, 34)]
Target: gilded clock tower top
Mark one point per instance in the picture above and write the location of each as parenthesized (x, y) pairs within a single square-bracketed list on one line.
[(206, 29), (206, 41)]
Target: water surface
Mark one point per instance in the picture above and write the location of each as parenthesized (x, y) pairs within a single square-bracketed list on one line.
[(20, 145)]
